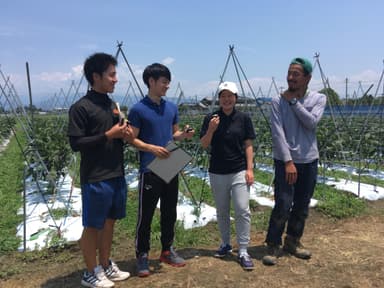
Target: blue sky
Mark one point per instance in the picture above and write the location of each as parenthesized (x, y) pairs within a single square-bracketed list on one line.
[(192, 38)]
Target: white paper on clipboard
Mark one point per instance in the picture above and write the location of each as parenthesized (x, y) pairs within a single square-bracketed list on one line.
[(168, 168)]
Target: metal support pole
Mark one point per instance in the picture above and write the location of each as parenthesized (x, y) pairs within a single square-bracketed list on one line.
[(29, 91), (25, 210)]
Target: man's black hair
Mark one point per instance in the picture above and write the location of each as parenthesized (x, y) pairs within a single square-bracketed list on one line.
[(97, 63), (156, 70)]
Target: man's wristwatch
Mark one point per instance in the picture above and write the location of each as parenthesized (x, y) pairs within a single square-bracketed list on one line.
[(293, 101)]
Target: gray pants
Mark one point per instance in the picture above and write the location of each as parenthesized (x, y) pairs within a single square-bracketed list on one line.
[(225, 187)]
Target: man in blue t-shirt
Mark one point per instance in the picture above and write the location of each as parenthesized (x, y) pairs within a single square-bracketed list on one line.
[(155, 123)]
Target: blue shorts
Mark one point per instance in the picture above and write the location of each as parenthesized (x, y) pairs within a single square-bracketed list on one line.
[(103, 200)]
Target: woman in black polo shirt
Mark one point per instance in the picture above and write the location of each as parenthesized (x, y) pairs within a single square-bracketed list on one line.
[(229, 133)]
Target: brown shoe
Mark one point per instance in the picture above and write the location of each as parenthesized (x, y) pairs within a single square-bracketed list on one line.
[(293, 246), (272, 254)]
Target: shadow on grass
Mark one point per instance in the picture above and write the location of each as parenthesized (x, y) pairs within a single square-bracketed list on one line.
[(156, 267)]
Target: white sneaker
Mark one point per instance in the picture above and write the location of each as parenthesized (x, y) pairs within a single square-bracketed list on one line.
[(114, 273), (97, 279)]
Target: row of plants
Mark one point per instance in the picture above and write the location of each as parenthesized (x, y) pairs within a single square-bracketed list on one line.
[(353, 139), (357, 139), (51, 141), (6, 125)]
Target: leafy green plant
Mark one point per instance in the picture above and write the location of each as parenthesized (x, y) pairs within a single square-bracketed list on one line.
[(55, 240), (263, 176), (260, 220), (197, 190), (59, 213), (6, 125), (338, 204), (51, 141)]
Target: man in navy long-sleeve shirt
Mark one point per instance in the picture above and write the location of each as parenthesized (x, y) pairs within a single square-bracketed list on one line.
[(294, 118)]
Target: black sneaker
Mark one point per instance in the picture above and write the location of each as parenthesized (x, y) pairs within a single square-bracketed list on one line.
[(142, 265), (245, 261), (223, 251)]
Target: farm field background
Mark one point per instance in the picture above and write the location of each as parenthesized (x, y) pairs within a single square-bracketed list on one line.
[(36, 156)]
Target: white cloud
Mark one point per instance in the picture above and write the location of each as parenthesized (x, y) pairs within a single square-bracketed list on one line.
[(357, 84), (10, 31), (367, 75), (48, 83), (193, 88), (125, 76), (264, 86), (168, 61), (54, 76), (77, 70)]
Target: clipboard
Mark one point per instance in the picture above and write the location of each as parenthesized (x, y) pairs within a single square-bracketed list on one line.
[(169, 167)]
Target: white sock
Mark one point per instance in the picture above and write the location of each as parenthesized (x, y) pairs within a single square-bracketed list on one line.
[(243, 251)]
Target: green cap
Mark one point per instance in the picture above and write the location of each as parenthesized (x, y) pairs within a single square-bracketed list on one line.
[(306, 64)]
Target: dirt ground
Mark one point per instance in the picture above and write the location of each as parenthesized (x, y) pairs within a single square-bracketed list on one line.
[(346, 253)]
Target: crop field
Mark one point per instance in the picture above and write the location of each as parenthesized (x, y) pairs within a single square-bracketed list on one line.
[(350, 134)]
